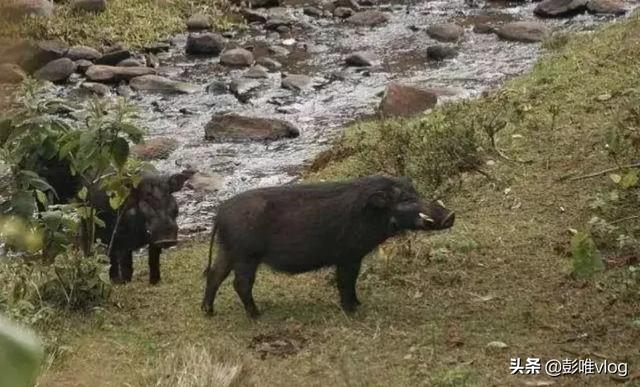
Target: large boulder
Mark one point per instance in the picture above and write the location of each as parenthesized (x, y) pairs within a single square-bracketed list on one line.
[(198, 22), (58, 70), (205, 44), (20, 8), (108, 74), (112, 58), (233, 127), (523, 31), (560, 8), (369, 18), (237, 57), (11, 73), (160, 84), (32, 55), (606, 7), (445, 32), (404, 101), (83, 52), (89, 5)]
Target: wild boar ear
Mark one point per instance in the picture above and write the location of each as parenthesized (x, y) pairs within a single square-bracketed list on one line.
[(379, 199), (176, 181)]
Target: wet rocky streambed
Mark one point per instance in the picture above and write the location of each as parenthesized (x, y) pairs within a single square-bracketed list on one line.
[(309, 42)]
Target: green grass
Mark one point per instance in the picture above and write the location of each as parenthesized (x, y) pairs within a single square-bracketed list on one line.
[(130, 22), (431, 303)]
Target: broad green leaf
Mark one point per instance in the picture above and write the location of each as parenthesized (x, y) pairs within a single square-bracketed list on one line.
[(630, 179), (41, 196), (82, 194), (120, 151)]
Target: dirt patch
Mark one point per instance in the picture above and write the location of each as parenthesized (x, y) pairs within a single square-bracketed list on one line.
[(280, 343)]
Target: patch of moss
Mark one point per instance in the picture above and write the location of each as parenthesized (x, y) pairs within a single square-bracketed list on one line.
[(131, 22)]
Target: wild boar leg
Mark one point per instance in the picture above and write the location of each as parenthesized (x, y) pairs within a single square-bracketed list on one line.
[(245, 275), (126, 265), (347, 275), (215, 277), (114, 269), (154, 264)]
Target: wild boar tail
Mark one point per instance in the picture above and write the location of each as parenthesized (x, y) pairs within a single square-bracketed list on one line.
[(211, 242)]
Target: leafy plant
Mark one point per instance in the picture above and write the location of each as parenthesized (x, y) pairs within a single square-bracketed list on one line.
[(586, 259)]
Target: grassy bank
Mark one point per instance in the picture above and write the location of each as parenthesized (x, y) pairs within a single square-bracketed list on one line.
[(431, 304), (131, 22)]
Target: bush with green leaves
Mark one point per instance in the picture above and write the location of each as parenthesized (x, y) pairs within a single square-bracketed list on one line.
[(48, 257)]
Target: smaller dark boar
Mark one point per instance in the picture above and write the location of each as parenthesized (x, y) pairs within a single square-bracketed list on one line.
[(149, 218), (300, 228)]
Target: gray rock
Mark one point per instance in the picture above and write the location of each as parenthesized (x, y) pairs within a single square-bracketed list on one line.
[(89, 5), (523, 31), (361, 59), (31, 55), (157, 83), (482, 28), (236, 57), (198, 22), (158, 148), (205, 44), (352, 4), (233, 127), (96, 88), (257, 71), (445, 32), (21, 8), (312, 11), (124, 90), (271, 64), (278, 51), (112, 58), (343, 12), (217, 88), (369, 18), (58, 70), (243, 88), (606, 7), (11, 73), (82, 65), (297, 82), (441, 52), (83, 52), (107, 74), (156, 48), (254, 16), (130, 62), (264, 3), (560, 8), (274, 23), (405, 101), (152, 60)]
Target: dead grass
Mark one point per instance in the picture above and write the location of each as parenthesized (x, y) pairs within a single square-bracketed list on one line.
[(431, 304)]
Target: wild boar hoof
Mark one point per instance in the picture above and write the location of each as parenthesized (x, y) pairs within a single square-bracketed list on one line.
[(207, 309), (154, 281), (253, 314), (350, 308)]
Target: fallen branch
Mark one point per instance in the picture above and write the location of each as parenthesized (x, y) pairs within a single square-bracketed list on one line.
[(625, 219), (605, 171)]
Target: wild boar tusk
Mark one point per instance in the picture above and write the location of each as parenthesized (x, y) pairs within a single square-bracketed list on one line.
[(425, 217), (440, 203)]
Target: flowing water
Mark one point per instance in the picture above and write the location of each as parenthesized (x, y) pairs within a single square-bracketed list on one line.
[(343, 95)]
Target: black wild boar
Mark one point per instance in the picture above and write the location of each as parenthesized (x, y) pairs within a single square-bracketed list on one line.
[(300, 228), (148, 217)]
